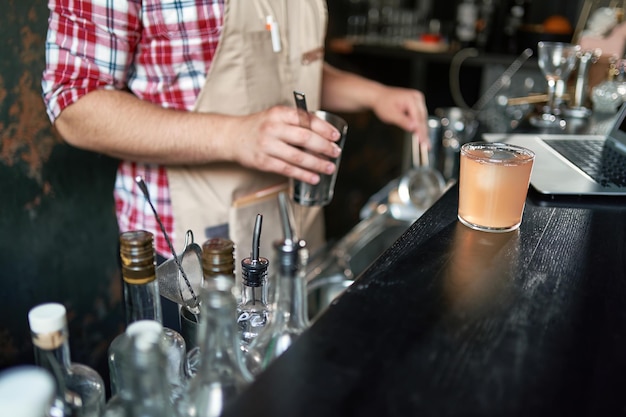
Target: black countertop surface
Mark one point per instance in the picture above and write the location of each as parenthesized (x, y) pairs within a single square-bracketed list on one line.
[(452, 321)]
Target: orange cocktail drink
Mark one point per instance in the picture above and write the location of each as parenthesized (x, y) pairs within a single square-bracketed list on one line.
[(493, 184)]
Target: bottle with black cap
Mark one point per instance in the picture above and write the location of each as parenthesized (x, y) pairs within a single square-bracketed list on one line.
[(289, 312), (253, 310)]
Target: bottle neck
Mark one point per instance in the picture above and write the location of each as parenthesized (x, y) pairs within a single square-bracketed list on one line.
[(142, 302), (219, 340), (52, 350), (142, 367), (291, 300), (141, 289), (52, 353), (218, 337), (290, 305), (254, 296)]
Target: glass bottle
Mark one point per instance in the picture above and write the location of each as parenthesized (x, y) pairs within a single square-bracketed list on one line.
[(289, 312), (218, 259), (466, 18), (221, 375), (142, 302), (606, 96), (253, 311), (147, 393), (80, 389), (26, 391)]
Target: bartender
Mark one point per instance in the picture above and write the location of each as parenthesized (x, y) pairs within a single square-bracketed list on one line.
[(196, 97)]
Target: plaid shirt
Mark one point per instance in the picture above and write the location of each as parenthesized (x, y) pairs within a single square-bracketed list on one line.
[(160, 50)]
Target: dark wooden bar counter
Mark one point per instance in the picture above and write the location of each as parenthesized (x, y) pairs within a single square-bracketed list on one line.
[(455, 322)]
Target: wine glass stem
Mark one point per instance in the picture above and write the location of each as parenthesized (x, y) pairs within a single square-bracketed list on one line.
[(551, 95)]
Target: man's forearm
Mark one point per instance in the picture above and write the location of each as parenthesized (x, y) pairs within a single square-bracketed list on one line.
[(347, 92), (118, 124)]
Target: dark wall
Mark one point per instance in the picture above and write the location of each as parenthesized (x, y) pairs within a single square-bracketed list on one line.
[(58, 234)]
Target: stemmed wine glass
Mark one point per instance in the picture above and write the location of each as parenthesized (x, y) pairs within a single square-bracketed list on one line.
[(556, 61)]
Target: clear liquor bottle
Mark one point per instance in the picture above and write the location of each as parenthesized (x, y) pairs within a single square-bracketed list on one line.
[(218, 259), (142, 302), (221, 376), (80, 389), (26, 391), (253, 311), (289, 311), (142, 362)]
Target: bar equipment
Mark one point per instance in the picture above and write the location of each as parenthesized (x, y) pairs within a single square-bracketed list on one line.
[(578, 102), (319, 194), (191, 302), (171, 281), (421, 186), (556, 61), (330, 273), (80, 389)]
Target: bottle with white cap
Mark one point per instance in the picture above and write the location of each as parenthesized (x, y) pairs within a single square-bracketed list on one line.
[(146, 392), (26, 391), (80, 389)]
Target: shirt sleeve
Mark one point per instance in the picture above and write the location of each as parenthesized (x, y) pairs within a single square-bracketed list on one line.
[(89, 45)]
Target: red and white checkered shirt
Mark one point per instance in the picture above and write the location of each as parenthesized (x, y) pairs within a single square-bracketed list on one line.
[(160, 50)]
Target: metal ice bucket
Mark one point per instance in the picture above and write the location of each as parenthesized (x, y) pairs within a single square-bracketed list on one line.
[(332, 271)]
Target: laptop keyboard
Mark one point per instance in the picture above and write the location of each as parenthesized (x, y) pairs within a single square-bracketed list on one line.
[(602, 163)]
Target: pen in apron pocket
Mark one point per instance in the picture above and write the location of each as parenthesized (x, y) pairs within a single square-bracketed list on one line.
[(272, 26)]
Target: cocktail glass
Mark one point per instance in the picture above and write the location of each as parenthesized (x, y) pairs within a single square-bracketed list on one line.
[(556, 60)]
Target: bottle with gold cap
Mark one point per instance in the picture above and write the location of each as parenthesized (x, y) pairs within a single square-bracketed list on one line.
[(218, 260), (80, 389), (142, 302)]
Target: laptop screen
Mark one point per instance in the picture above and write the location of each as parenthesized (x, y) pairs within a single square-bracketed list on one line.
[(617, 137)]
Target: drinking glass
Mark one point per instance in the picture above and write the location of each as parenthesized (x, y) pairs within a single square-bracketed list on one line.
[(556, 61), (493, 184)]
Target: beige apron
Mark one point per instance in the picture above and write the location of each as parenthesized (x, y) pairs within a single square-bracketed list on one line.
[(247, 76)]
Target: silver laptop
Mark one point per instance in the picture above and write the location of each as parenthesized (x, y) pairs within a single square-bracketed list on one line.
[(576, 164)]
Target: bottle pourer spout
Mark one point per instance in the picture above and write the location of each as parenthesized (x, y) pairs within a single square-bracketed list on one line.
[(254, 268), (256, 237), (284, 216)]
